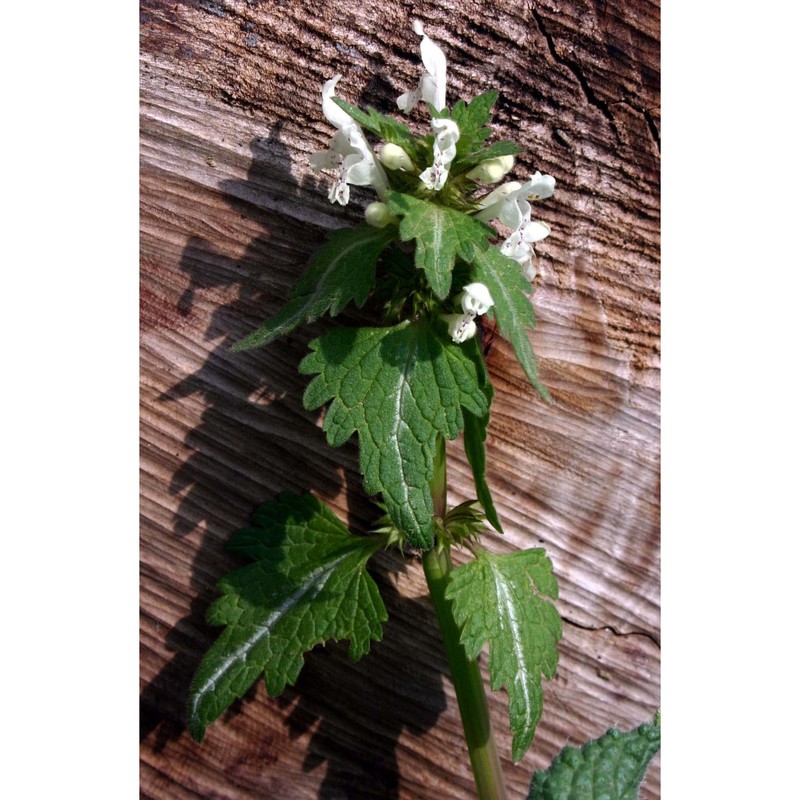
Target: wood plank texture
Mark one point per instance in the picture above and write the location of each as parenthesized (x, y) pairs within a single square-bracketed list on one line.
[(230, 213)]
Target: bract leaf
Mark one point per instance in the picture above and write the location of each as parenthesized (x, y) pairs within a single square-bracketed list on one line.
[(308, 584), (388, 128), (441, 234), (609, 768), (499, 599), (502, 148), (398, 388), (475, 429), (512, 307), (343, 269)]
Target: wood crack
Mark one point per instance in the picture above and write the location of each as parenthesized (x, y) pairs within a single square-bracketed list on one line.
[(577, 72), (613, 630), (651, 124)]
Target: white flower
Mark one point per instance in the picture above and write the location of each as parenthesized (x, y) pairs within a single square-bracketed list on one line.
[(460, 326), (444, 151), (510, 204), (492, 170), (519, 245), (433, 85), (475, 299), (348, 151)]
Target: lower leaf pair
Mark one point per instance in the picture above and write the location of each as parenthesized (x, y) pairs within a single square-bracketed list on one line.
[(308, 584)]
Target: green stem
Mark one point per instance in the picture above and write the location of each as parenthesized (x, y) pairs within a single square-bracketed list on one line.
[(465, 672)]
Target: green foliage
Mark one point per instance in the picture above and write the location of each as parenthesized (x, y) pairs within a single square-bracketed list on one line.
[(609, 768), (343, 269), (473, 126), (499, 599), (398, 388), (475, 428), (502, 148), (472, 120), (388, 128), (512, 308), (308, 583), (462, 524), (441, 234)]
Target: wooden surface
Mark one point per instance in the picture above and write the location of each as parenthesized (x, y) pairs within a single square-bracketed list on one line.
[(230, 214)]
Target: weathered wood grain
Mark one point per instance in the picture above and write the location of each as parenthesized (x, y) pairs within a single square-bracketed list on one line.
[(230, 214)]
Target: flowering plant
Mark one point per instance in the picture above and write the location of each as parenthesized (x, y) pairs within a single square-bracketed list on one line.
[(428, 258)]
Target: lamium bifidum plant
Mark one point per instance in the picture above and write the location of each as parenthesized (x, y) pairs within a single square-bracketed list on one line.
[(428, 259)]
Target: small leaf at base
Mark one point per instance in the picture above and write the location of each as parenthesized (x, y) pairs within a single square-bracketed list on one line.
[(609, 768)]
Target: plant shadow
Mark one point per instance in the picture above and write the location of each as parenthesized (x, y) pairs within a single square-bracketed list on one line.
[(254, 440), (362, 712)]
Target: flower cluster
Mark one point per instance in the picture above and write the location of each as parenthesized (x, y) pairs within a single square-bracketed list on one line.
[(393, 167), (348, 152)]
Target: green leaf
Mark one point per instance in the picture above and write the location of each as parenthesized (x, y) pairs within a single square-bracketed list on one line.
[(441, 234), (472, 120), (609, 768), (512, 308), (388, 128), (502, 148), (498, 599), (308, 584), (398, 388), (343, 269), (475, 429)]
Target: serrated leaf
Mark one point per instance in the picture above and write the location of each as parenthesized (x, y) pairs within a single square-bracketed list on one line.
[(376, 122), (499, 599), (308, 584), (475, 429), (441, 234), (609, 768), (512, 307), (343, 269), (472, 120), (398, 388)]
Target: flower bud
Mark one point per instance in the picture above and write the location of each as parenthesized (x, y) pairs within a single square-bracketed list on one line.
[(460, 326), (492, 170), (378, 215), (393, 156), (475, 299)]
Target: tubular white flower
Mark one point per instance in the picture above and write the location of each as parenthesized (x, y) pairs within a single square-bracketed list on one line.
[(492, 170), (475, 299), (460, 326), (393, 156), (543, 186), (433, 84), (519, 245), (510, 204), (444, 151), (348, 151)]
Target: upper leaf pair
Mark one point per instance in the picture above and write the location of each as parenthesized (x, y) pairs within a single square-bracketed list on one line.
[(399, 388)]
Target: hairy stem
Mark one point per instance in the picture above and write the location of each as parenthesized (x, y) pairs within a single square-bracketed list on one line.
[(465, 672)]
